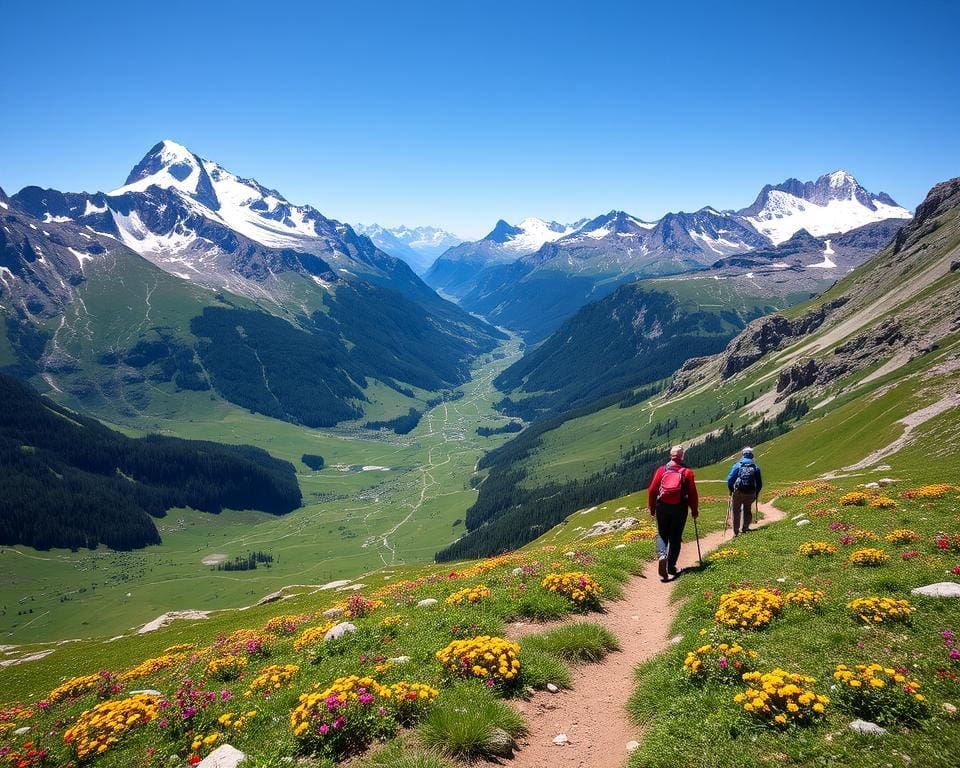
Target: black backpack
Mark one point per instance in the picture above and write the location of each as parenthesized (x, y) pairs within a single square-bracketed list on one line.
[(746, 478)]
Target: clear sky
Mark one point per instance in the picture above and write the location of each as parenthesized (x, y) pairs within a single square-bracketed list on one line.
[(459, 113)]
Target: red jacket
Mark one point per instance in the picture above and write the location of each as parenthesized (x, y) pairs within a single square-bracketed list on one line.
[(693, 500)]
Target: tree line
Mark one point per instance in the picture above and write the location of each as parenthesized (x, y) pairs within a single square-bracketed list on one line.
[(68, 481)]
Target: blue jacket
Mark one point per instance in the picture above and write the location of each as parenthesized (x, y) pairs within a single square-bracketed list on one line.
[(735, 470)]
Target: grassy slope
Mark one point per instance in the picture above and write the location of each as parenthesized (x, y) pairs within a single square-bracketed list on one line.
[(353, 521)]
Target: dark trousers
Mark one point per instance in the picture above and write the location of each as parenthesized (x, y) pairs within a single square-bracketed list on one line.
[(671, 519), (741, 505)]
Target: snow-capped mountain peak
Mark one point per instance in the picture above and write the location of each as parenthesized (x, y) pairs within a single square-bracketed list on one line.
[(527, 236), (835, 202), (244, 205)]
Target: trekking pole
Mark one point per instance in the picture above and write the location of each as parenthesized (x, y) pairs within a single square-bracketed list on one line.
[(697, 533), (726, 520)]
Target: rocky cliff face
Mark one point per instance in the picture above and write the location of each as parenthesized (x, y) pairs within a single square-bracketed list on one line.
[(944, 197)]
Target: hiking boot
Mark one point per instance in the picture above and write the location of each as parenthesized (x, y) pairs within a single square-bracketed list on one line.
[(674, 571), (662, 568)]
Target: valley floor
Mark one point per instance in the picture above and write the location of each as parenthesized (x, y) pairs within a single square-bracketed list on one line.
[(383, 500)]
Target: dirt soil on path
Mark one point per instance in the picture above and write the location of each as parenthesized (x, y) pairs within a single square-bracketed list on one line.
[(593, 714)]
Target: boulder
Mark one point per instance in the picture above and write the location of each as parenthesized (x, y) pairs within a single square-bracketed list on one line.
[(271, 598), (602, 527), (865, 728), (500, 743), (338, 631), (940, 589), (223, 756)]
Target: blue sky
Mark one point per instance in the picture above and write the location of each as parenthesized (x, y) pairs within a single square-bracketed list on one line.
[(460, 113)]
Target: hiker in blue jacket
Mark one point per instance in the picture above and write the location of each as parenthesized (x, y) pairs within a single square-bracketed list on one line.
[(744, 483)]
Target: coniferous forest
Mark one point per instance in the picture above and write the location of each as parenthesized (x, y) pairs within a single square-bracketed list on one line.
[(69, 481)]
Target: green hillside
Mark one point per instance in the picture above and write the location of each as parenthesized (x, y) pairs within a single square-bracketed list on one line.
[(871, 364)]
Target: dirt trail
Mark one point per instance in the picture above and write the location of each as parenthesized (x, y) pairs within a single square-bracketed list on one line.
[(593, 714)]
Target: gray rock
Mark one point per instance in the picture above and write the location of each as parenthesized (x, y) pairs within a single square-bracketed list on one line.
[(602, 527), (801, 523), (338, 631), (633, 746), (571, 553), (223, 756), (620, 546), (940, 589), (399, 659), (885, 481), (21, 731), (427, 602), (333, 613), (676, 639), (271, 598), (517, 572), (145, 692), (872, 486), (561, 739), (552, 688), (500, 743), (867, 729)]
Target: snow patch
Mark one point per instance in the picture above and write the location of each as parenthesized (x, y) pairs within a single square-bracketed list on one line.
[(81, 256)]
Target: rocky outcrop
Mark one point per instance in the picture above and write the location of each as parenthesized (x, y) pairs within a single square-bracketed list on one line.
[(941, 199), (868, 348), (772, 333), (759, 338)]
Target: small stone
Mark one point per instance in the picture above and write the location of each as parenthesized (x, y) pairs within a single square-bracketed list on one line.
[(427, 602), (570, 554), (676, 639), (561, 739), (801, 523), (620, 546), (517, 572), (552, 688), (333, 613), (884, 468), (940, 589), (500, 743), (144, 692), (867, 729), (633, 746), (872, 486), (21, 731), (949, 709), (399, 660), (338, 631), (781, 580), (885, 481), (223, 756)]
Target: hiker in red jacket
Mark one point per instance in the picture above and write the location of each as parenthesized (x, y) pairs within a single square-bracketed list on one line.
[(672, 490)]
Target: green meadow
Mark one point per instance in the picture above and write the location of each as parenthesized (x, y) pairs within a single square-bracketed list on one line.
[(381, 500)]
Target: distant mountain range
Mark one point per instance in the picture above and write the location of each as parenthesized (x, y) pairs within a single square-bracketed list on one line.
[(533, 291), (418, 246), (189, 277)]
